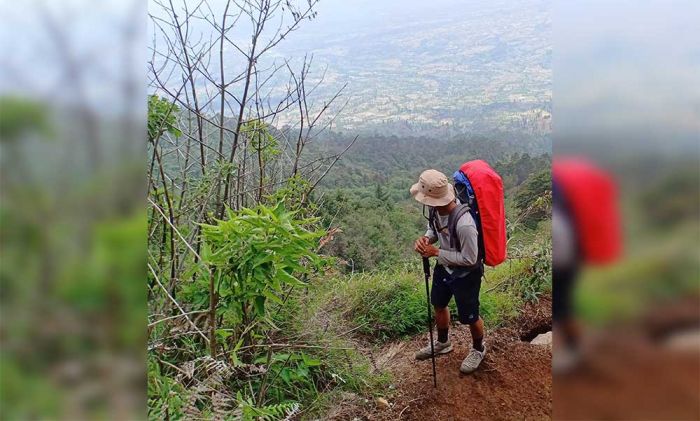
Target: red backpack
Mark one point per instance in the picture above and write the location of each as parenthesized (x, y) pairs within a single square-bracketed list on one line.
[(480, 187), (590, 195)]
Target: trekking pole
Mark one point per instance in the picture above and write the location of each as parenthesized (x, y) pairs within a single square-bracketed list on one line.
[(426, 271)]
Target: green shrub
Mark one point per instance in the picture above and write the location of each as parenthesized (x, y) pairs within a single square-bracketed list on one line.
[(527, 276), (497, 307), (538, 278), (167, 398), (253, 259), (391, 305), (505, 272), (315, 376), (385, 305)]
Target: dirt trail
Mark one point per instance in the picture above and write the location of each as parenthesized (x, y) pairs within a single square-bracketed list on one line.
[(633, 373), (513, 382)]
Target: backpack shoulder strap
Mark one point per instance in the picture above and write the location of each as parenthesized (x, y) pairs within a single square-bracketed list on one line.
[(431, 220), (454, 217)]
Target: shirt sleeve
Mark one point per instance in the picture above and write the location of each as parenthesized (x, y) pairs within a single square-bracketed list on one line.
[(431, 235), (563, 240), (467, 255)]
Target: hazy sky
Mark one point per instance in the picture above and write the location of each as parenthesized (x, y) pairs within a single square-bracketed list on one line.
[(624, 61), (338, 17), (631, 66)]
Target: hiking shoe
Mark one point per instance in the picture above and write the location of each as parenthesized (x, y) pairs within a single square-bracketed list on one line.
[(440, 348), (565, 359), (471, 363)]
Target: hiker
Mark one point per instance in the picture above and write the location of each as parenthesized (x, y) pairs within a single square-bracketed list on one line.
[(458, 269), (566, 262), (586, 231)]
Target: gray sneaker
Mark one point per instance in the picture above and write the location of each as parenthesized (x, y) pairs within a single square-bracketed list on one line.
[(471, 363), (440, 348)]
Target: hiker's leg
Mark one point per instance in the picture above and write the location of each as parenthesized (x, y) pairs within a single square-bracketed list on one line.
[(466, 292), (478, 351), (443, 344), (442, 317), (440, 296), (442, 321), (478, 332), (570, 332), (566, 330), (566, 355)]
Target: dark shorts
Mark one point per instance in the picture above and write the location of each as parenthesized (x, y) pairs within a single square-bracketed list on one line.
[(465, 290), (563, 284)]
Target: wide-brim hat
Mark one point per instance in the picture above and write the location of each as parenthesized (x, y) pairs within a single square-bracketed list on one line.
[(433, 189)]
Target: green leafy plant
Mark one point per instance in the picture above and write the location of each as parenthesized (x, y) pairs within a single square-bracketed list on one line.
[(266, 148), (254, 257), (261, 139), (538, 278), (294, 196), (534, 199), (248, 411), (291, 375), (497, 307), (162, 118), (166, 397)]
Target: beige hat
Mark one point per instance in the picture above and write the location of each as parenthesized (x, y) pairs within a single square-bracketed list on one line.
[(432, 189)]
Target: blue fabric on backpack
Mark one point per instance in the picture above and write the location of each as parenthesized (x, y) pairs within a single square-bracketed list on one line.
[(465, 194)]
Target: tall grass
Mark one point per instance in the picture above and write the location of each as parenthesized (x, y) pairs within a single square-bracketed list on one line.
[(391, 304)]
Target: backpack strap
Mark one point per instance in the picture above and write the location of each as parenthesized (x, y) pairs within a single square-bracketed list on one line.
[(431, 220), (455, 243), (456, 214)]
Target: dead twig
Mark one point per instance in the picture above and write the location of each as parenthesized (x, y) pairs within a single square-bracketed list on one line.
[(184, 313), (409, 404)]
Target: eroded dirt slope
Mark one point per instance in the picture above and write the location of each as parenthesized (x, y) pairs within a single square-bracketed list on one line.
[(514, 381)]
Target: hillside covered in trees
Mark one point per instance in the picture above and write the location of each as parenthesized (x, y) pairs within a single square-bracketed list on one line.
[(279, 255), (296, 262)]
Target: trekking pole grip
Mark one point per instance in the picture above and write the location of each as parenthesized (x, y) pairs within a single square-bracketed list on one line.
[(426, 266)]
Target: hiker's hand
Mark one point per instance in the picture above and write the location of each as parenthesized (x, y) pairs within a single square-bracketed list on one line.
[(429, 250), (422, 241)]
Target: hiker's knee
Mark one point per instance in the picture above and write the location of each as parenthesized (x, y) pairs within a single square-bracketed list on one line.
[(470, 319), (442, 312)]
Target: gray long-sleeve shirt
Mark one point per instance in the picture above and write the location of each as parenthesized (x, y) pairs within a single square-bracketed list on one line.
[(563, 239), (468, 239)]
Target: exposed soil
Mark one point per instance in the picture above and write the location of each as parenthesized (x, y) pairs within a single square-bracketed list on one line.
[(629, 373), (513, 382), (535, 318), (625, 378)]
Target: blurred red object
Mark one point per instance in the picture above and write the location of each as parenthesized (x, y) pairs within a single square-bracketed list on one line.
[(591, 197)]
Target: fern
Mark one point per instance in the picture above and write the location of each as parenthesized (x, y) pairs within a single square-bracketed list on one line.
[(247, 411), (220, 406)]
